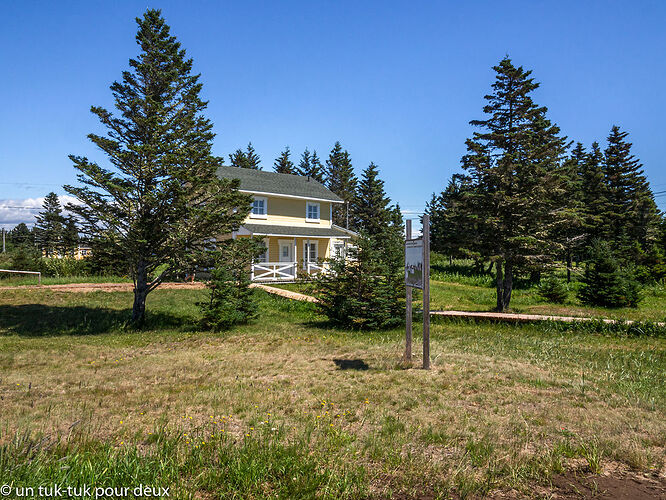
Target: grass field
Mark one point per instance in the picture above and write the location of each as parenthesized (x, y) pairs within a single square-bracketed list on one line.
[(291, 408), (21, 280)]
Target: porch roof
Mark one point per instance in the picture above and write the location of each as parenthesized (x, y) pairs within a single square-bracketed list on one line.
[(305, 232)]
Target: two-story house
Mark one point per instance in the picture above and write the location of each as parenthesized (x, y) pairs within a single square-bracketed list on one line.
[(293, 214)]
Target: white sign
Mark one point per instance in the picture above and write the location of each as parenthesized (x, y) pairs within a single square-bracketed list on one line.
[(414, 263)]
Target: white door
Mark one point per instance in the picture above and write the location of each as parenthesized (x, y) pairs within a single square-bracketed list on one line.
[(286, 253)]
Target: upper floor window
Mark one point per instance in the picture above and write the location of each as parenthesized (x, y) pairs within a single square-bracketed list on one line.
[(259, 207), (312, 212)]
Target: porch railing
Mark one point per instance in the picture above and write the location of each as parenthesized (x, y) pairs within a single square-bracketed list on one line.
[(286, 271), (274, 271)]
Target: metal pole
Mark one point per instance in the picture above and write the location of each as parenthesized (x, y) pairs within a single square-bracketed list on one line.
[(3, 240), (426, 292), (408, 306)]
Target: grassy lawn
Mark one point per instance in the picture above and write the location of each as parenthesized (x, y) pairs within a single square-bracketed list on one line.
[(455, 287), (20, 280), (291, 408)]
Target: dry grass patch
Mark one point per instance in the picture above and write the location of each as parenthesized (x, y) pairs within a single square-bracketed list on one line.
[(503, 406)]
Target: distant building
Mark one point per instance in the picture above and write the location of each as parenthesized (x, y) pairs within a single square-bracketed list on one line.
[(293, 214)]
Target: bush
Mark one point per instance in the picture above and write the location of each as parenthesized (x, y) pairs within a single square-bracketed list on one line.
[(367, 290), (605, 283), (64, 268), (231, 300), (553, 290)]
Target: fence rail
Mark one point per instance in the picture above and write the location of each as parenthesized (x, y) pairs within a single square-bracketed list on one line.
[(39, 275), (274, 271)]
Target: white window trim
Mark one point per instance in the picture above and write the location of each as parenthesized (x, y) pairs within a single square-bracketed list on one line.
[(306, 255), (293, 249), (307, 206), (265, 214)]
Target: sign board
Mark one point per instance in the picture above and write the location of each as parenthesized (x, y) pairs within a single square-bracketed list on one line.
[(414, 263)]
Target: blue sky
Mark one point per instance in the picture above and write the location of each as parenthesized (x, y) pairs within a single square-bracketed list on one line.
[(395, 82)]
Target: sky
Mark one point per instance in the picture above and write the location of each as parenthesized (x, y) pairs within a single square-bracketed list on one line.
[(395, 82)]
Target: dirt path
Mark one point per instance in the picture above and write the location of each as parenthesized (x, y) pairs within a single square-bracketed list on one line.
[(285, 293), (102, 287)]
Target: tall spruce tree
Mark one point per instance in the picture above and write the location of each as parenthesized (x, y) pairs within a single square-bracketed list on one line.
[(21, 235), (450, 227), (310, 166), (595, 197), (305, 165), (372, 212), (283, 165), (513, 167), (631, 209), (70, 237), (160, 200), (245, 159), (49, 227), (343, 182)]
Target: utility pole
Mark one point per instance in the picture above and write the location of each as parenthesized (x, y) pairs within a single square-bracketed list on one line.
[(3, 240)]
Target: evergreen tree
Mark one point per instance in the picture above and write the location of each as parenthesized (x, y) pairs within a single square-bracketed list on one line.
[(305, 165), (283, 165), (21, 235), (245, 159), (343, 182), (569, 230), (310, 166), (595, 195), (231, 301), (513, 168), (631, 209), (371, 209), (450, 228), (160, 201), (49, 227), (317, 170), (70, 237)]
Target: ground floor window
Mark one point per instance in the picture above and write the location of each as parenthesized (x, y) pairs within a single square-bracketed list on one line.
[(310, 251)]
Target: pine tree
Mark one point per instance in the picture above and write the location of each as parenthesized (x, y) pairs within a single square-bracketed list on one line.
[(21, 235), (317, 170), (49, 226), (305, 165), (343, 182), (245, 159), (283, 165), (595, 196), (161, 200), (632, 212), (371, 209), (450, 227), (513, 169), (70, 237)]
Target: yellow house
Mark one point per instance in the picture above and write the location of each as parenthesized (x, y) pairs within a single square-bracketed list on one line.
[(293, 214)]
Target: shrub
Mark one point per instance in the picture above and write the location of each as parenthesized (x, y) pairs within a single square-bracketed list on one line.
[(231, 300), (553, 290), (366, 291), (63, 268), (606, 283)]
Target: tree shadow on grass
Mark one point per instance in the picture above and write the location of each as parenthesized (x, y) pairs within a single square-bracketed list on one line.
[(351, 364), (39, 320)]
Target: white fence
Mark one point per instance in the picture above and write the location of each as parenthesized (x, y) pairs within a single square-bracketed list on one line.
[(39, 275), (285, 271)]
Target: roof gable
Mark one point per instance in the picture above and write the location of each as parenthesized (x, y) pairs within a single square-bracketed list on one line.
[(259, 181)]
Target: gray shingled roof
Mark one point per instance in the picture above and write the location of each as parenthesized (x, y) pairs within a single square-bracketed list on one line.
[(272, 182), (314, 232)]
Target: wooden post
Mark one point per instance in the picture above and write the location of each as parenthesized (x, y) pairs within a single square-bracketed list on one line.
[(426, 292), (408, 307)]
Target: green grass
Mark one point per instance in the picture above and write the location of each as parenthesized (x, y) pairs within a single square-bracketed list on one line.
[(289, 407), (11, 280)]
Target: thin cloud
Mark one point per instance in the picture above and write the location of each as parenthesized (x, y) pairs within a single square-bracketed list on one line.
[(15, 211)]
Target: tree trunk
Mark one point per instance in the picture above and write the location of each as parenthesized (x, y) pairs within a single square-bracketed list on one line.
[(499, 281), (450, 260), (140, 293), (568, 265), (508, 284), (490, 267)]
